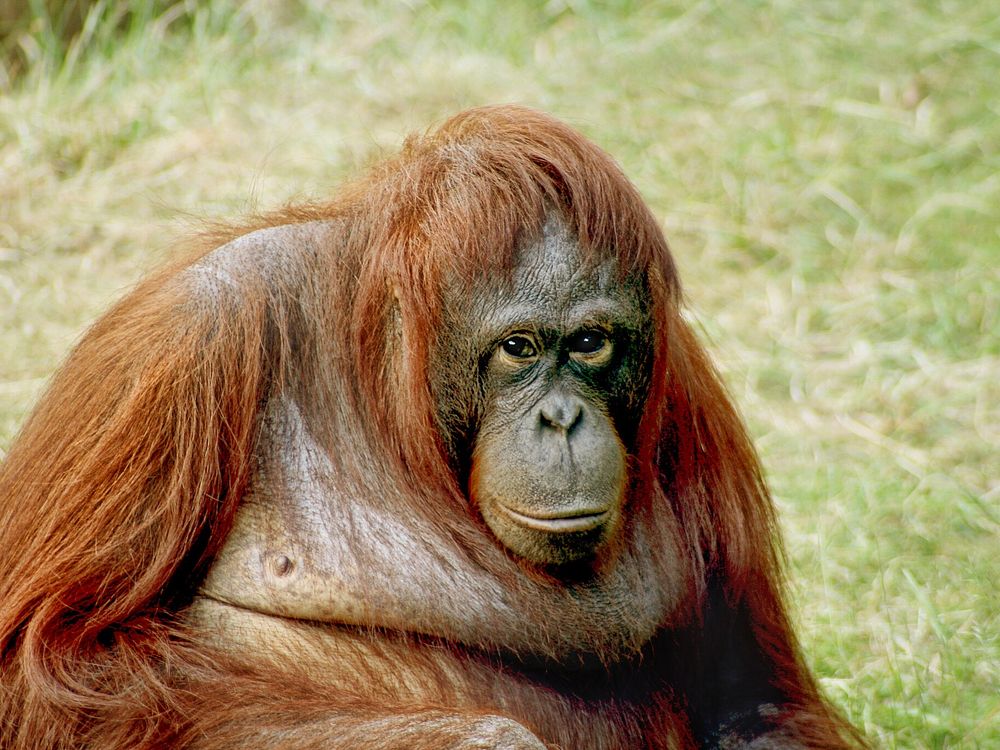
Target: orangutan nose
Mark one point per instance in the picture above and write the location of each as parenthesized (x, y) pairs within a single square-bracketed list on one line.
[(561, 412)]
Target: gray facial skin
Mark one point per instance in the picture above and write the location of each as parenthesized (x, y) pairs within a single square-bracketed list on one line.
[(561, 351)]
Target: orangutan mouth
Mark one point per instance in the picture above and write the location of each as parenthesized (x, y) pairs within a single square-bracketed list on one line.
[(559, 523)]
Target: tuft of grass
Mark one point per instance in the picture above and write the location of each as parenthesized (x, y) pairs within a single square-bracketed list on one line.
[(827, 173)]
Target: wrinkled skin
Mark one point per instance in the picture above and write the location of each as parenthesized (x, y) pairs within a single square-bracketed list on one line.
[(561, 352)]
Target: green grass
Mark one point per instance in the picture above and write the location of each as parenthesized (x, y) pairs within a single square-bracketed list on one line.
[(829, 176)]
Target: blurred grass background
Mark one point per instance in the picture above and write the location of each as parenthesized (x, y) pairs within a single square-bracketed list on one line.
[(828, 174)]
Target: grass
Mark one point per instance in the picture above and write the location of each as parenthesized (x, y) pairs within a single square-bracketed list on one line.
[(828, 173)]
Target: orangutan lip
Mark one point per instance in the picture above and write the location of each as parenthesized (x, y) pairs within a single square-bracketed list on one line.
[(559, 524)]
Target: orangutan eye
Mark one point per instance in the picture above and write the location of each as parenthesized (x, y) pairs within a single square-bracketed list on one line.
[(590, 346), (588, 342), (519, 347)]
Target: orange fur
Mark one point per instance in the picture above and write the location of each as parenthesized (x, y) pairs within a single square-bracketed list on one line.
[(123, 484)]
